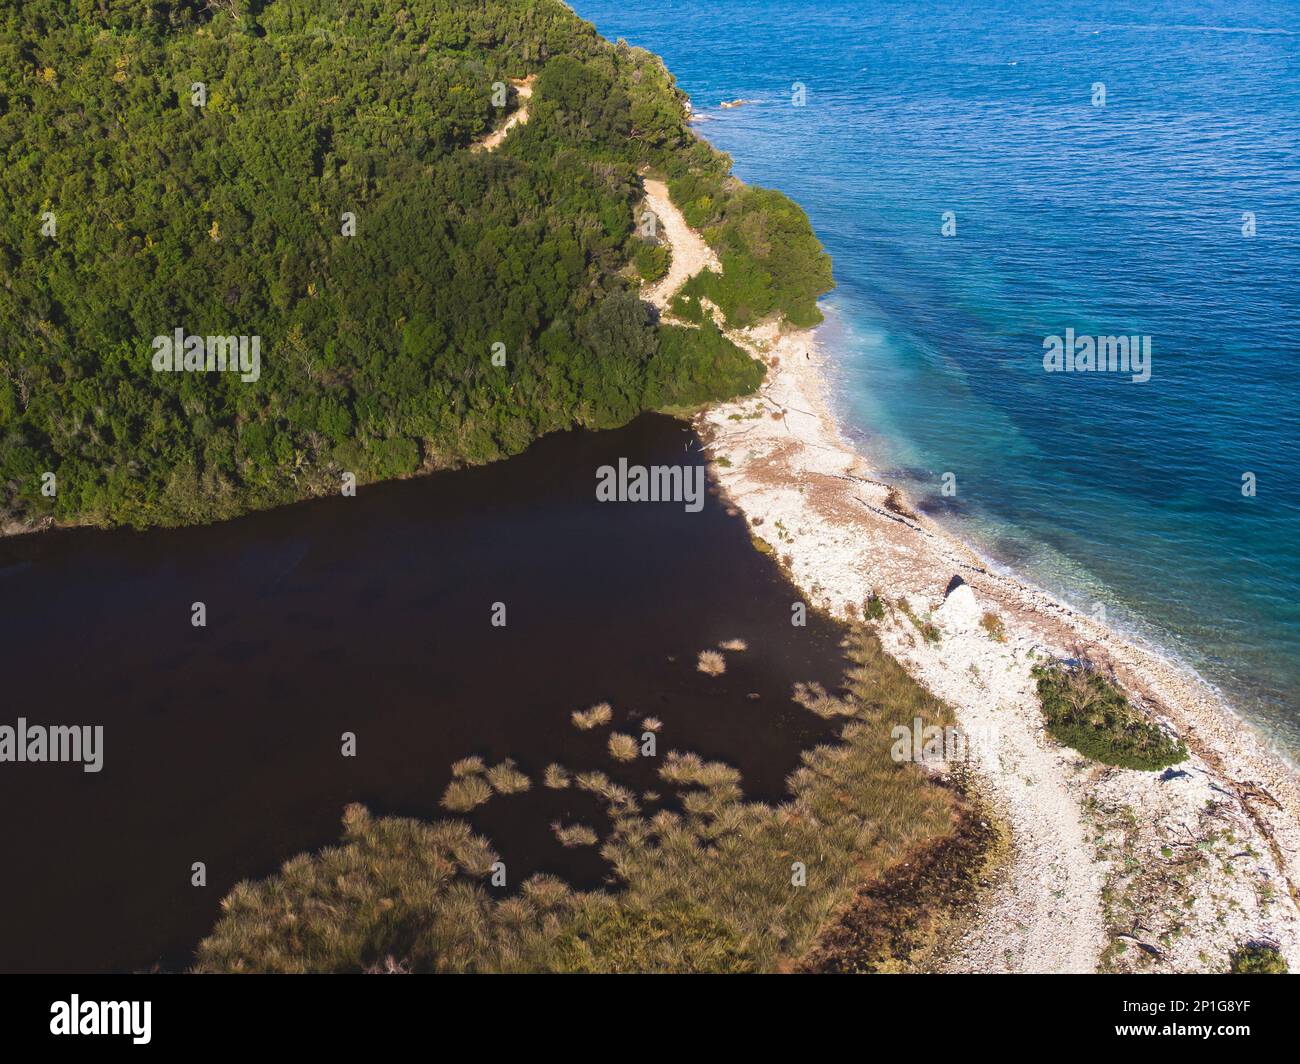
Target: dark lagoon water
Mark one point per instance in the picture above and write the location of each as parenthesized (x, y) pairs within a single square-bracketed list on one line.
[(370, 615), (1125, 219)]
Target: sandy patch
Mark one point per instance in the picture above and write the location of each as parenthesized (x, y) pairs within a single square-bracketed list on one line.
[(524, 87), (690, 253)]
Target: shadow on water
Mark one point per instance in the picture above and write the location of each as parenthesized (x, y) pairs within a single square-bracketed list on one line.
[(371, 615)]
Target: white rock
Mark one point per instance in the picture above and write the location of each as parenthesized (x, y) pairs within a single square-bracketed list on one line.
[(960, 611)]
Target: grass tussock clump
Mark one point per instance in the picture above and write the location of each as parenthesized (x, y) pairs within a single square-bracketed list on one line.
[(734, 644), (556, 777), (574, 834), (623, 747), (613, 794), (1087, 711), (813, 697), (722, 884), (507, 779), (993, 626), (597, 715), (652, 724), (874, 608), (928, 629), (468, 766), (465, 793), (691, 770), (711, 663)]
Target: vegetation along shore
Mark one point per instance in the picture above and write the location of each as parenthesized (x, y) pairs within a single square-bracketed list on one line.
[(419, 304), (517, 232)]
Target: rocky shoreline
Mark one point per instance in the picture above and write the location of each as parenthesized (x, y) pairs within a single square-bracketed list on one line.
[(1110, 868)]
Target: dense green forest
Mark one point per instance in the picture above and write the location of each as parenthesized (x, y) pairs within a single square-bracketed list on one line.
[(301, 171)]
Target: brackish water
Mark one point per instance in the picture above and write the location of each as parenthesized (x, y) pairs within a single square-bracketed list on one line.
[(371, 615), (1115, 220)]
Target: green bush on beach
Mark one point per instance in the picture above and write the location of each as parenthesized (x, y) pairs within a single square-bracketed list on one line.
[(1256, 958), (1087, 711)]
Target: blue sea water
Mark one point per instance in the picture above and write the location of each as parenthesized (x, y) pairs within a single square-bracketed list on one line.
[(1122, 219)]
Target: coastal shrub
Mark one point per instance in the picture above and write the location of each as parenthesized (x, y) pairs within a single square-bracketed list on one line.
[(1257, 958), (1087, 711), (652, 261), (874, 609), (687, 308), (697, 366), (772, 261)]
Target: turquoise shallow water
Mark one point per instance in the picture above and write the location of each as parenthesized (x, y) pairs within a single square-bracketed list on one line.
[(1123, 219)]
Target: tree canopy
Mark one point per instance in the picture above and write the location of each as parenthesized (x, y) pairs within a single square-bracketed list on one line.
[(301, 171)]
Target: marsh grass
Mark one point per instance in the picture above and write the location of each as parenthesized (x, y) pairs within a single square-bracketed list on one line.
[(468, 766), (813, 697), (616, 796), (556, 777), (574, 834), (705, 888), (465, 793), (623, 747), (690, 770), (1086, 710), (652, 724), (711, 663), (507, 779), (585, 720), (734, 644)]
